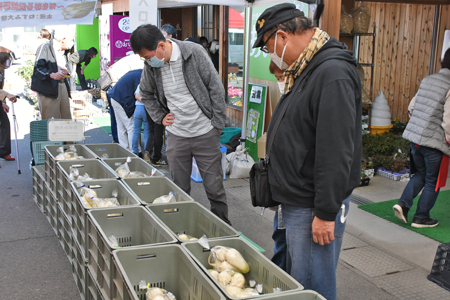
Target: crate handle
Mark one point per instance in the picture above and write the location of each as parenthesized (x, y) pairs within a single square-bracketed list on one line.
[(171, 210), (146, 256), (118, 215), (143, 183), (118, 164), (95, 186), (206, 250), (101, 149), (78, 166)]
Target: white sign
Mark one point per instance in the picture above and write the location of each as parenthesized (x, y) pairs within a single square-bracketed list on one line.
[(446, 45), (44, 13), (124, 25), (65, 131), (143, 12)]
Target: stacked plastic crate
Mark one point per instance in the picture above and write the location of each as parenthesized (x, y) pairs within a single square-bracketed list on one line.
[(112, 249), (81, 105)]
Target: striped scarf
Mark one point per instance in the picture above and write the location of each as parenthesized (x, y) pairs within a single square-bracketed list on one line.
[(293, 72)]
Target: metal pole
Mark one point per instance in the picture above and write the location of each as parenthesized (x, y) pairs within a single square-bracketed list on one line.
[(248, 39), (15, 135)]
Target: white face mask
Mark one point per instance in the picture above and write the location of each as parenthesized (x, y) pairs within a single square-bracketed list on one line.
[(281, 86), (276, 59)]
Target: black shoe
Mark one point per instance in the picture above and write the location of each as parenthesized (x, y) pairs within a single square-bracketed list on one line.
[(401, 211), (424, 223)]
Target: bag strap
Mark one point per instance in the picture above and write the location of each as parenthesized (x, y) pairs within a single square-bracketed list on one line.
[(302, 77)]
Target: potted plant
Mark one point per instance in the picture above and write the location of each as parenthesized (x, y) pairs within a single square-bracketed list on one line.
[(26, 71)]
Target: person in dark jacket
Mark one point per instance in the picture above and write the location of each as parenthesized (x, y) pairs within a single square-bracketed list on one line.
[(79, 57), (315, 158), (50, 77), (123, 101)]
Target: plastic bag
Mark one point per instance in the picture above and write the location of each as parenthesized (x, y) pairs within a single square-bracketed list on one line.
[(346, 21), (75, 175), (71, 153), (225, 258), (114, 242), (240, 164), (186, 237), (124, 170), (136, 174), (106, 202), (87, 195), (156, 293), (165, 198), (361, 19)]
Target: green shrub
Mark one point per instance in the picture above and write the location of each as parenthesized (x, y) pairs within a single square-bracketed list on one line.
[(26, 71)]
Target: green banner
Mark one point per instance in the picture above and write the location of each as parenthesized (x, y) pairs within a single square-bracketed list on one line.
[(87, 37)]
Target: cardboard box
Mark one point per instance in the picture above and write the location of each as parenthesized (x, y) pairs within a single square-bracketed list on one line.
[(262, 145)]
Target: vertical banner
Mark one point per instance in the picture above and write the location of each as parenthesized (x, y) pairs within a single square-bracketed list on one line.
[(104, 27), (143, 12), (119, 37)]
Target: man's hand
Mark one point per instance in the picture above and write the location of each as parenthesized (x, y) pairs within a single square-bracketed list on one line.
[(323, 231), (57, 76), (11, 98), (168, 119), (5, 108)]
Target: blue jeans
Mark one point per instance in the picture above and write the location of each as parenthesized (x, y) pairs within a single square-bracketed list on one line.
[(139, 118), (113, 121), (427, 162), (279, 246), (312, 265)]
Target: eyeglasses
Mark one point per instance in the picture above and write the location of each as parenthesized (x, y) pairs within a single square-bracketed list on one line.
[(264, 48)]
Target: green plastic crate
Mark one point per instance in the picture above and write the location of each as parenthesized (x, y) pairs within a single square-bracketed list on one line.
[(39, 131), (92, 289), (193, 219), (168, 267), (262, 270), (148, 189), (65, 235), (79, 271), (104, 151), (134, 227), (39, 151), (136, 164), (228, 133)]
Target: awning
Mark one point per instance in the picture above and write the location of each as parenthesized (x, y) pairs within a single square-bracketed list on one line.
[(38, 13), (236, 19)]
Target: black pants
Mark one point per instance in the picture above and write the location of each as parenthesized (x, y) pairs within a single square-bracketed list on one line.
[(5, 134), (155, 139), (81, 78)]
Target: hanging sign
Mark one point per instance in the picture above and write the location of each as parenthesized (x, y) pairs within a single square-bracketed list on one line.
[(65, 130), (44, 13)]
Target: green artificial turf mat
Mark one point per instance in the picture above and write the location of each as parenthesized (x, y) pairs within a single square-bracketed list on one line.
[(104, 123), (440, 211)]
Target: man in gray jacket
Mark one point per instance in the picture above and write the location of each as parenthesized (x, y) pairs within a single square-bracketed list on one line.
[(181, 90)]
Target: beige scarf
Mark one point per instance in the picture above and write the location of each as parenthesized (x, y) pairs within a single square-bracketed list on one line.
[(319, 39)]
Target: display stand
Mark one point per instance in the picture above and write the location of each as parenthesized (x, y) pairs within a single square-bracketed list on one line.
[(255, 116)]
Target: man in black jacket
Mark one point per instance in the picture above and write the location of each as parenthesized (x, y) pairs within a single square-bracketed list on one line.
[(50, 77), (79, 57), (315, 158)]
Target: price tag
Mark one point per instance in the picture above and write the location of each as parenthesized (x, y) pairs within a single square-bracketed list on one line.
[(65, 130)]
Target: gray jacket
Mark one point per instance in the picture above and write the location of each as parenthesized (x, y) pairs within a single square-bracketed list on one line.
[(425, 126), (201, 78)]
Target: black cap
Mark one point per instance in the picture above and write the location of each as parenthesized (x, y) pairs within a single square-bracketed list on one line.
[(273, 16)]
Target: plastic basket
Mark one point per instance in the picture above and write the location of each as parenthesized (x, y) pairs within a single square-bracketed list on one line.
[(136, 164), (104, 189), (132, 226), (110, 150), (79, 270), (146, 190), (262, 270), (39, 131), (299, 295), (168, 267), (192, 219), (39, 151), (440, 272), (51, 209), (392, 176), (39, 187), (195, 174), (228, 133), (64, 232), (95, 168)]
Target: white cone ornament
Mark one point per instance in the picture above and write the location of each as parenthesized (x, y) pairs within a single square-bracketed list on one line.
[(381, 113)]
